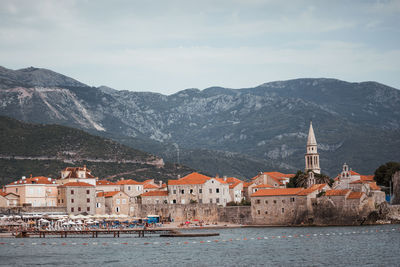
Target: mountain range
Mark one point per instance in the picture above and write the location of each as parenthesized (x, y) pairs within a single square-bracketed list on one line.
[(219, 130)]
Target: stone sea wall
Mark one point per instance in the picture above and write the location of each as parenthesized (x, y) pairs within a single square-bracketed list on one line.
[(235, 214)]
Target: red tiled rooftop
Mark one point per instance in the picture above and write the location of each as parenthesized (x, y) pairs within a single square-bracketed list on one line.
[(34, 180), (127, 182), (193, 178), (311, 189), (108, 194), (374, 186), (155, 193), (341, 192), (277, 192), (263, 186), (355, 195), (75, 184), (150, 186), (104, 182)]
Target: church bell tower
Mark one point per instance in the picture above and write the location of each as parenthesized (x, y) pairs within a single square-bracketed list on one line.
[(312, 156)]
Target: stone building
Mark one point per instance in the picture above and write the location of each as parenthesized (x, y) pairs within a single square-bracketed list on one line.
[(77, 197), (116, 202), (34, 191), (107, 186), (77, 174), (8, 200), (155, 197), (235, 188), (396, 188), (198, 188), (276, 206), (312, 156), (130, 187)]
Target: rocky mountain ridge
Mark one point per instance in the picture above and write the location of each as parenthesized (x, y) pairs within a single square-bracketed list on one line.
[(266, 126)]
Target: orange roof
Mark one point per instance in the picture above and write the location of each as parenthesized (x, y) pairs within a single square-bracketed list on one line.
[(247, 184), (126, 182), (374, 186), (367, 178), (341, 192), (73, 172), (108, 194), (263, 186), (193, 178), (76, 184), (354, 173), (355, 195), (233, 182), (34, 180), (277, 192), (104, 182), (164, 185), (311, 189), (155, 193), (221, 180), (276, 176), (150, 186)]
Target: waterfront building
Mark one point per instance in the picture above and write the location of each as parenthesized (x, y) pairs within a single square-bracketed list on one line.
[(77, 174), (247, 190), (275, 179), (77, 197), (116, 202), (107, 186), (235, 188), (130, 187), (198, 188), (8, 200), (312, 156), (155, 197), (34, 191)]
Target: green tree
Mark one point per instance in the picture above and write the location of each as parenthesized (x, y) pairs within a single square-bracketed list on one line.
[(383, 175), (300, 179)]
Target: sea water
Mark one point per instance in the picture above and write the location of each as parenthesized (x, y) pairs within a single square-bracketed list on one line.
[(269, 246)]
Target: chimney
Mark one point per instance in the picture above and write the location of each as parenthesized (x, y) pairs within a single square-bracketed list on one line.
[(225, 178), (179, 176), (160, 184)]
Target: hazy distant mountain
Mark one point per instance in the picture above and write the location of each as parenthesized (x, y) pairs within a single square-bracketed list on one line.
[(263, 127)]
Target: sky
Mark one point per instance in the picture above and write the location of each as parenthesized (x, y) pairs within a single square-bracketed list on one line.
[(167, 46)]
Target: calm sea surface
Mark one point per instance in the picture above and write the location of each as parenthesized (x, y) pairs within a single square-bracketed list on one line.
[(280, 246)]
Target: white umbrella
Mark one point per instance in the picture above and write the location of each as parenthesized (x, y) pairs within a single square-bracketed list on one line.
[(79, 222)]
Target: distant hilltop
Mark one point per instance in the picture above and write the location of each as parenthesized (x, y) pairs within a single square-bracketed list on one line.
[(219, 130)]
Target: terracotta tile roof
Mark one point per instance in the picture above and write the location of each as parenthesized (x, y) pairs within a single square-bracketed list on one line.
[(233, 182), (263, 186), (355, 195), (108, 194), (277, 192), (247, 184), (221, 180), (164, 185), (104, 182), (3, 193), (34, 180), (367, 178), (155, 193), (374, 186), (341, 192), (276, 176), (354, 173), (73, 172), (127, 182), (311, 189), (193, 178), (148, 181), (75, 184), (149, 186)]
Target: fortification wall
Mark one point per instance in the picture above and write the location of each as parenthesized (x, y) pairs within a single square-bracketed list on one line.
[(235, 214), (17, 210)]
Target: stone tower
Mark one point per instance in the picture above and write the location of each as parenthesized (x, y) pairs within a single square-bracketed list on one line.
[(312, 156)]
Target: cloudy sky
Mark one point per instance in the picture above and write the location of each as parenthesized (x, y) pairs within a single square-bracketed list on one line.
[(166, 46)]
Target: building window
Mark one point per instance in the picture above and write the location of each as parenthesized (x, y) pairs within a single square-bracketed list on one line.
[(274, 201), (258, 212), (72, 192), (191, 191), (72, 200), (118, 201), (59, 201), (174, 201), (62, 200), (258, 201), (129, 188), (217, 190), (117, 209), (98, 205), (88, 209), (283, 201), (88, 200), (200, 190), (211, 200), (266, 212), (200, 200), (58, 191), (210, 190), (16, 190), (217, 200), (124, 201), (87, 192), (79, 208), (283, 210), (182, 191), (174, 191), (292, 199), (72, 209), (266, 201)]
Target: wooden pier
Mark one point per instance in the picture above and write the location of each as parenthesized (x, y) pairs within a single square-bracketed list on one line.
[(94, 233)]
